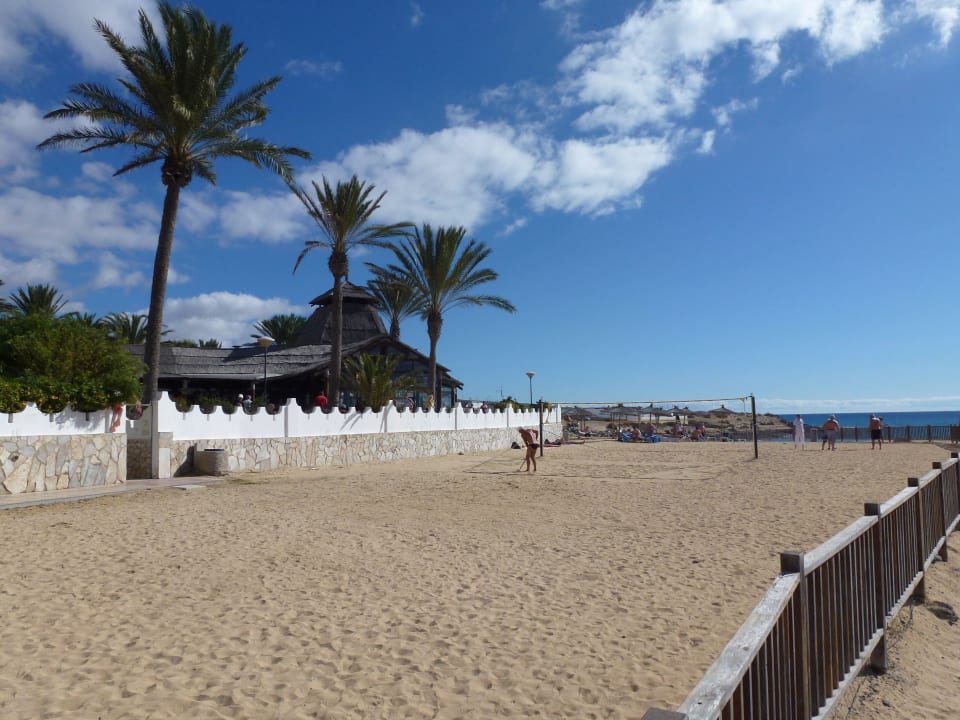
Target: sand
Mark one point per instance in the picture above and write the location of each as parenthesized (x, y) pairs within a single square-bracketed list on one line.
[(450, 587)]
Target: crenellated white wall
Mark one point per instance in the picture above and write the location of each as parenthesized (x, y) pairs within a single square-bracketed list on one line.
[(69, 449), (33, 422), (293, 422)]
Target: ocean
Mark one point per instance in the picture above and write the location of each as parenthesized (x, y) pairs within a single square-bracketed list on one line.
[(890, 419)]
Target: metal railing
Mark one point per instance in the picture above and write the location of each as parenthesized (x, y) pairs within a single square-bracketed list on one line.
[(825, 616)]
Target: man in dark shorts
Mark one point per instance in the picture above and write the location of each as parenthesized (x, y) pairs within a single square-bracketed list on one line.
[(530, 440), (876, 431)]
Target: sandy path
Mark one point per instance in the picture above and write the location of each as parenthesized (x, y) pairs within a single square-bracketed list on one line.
[(451, 587)]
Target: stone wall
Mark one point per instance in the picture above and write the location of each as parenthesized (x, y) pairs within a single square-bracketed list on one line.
[(270, 453), (33, 463)]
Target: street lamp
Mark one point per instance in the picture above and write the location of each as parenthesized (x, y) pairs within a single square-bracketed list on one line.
[(265, 341), (530, 375)]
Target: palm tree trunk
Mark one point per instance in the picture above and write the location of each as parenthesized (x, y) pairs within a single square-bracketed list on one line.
[(434, 328), (158, 292), (336, 342)]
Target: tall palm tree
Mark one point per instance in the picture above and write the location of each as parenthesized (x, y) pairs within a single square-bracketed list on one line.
[(344, 217), (395, 298), (38, 300), (443, 274), (284, 329), (175, 106), (129, 328)]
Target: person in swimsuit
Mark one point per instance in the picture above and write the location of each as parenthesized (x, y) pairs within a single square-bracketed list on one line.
[(830, 429), (876, 432), (530, 440)]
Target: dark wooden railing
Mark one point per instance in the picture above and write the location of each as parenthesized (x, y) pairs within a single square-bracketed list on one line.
[(825, 616)]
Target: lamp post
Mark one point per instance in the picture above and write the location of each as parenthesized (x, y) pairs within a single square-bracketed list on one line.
[(265, 341), (530, 375)]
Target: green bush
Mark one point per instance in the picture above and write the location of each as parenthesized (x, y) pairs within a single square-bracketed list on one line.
[(60, 362), (11, 397)]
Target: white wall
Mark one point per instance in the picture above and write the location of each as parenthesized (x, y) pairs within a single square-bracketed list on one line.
[(294, 422), (33, 422)]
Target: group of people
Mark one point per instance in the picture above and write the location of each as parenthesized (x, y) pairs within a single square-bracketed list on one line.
[(831, 429)]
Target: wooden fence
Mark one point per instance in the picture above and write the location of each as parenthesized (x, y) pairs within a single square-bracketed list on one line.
[(825, 616)]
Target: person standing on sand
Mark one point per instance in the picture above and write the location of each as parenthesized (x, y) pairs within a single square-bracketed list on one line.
[(876, 431), (830, 429), (530, 440), (799, 434)]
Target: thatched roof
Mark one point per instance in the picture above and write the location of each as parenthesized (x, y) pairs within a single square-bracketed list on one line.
[(360, 318), (246, 363)]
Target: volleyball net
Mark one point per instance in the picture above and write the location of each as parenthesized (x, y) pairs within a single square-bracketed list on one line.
[(727, 419)]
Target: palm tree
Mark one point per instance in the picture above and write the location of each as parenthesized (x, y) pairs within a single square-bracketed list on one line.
[(373, 380), (210, 344), (38, 300), (129, 328), (395, 298), (443, 275), (344, 220), (175, 107), (88, 319), (284, 329)]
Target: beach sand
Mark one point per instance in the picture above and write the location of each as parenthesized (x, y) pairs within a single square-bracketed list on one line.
[(452, 587)]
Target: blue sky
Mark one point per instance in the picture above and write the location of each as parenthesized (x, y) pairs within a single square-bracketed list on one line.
[(685, 199)]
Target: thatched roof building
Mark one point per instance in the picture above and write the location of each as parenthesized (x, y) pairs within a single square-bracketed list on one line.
[(300, 370)]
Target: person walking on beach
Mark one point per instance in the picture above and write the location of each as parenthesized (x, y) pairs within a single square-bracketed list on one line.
[(876, 431), (799, 433), (530, 440), (830, 429)]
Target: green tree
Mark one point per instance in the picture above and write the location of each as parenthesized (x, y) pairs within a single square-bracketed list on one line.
[(284, 329), (395, 298), (5, 306), (175, 107), (444, 273), (344, 218), (373, 381), (59, 361), (38, 300), (211, 343), (129, 328)]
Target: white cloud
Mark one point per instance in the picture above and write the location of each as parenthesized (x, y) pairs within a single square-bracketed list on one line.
[(228, 317), (24, 22), (269, 217), (592, 177), (653, 69), (326, 69), (17, 273), (452, 177), (21, 127), (114, 272), (724, 113), (706, 142), (513, 227), (944, 15), (416, 14), (850, 27), (32, 223)]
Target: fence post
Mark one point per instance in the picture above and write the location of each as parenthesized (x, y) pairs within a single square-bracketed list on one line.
[(943, 510), (920, 593), (878, 660), (929, 434), (791, 561)]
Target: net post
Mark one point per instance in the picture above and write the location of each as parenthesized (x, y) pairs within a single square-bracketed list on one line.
[(753, 411)]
